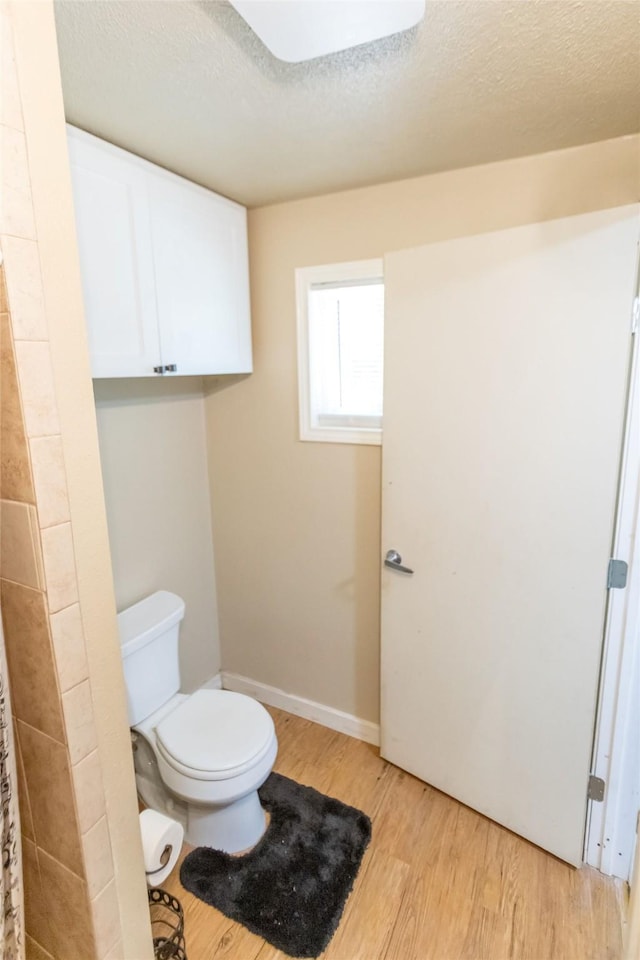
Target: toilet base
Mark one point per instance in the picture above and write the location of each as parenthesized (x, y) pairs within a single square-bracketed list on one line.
[(232, 828)]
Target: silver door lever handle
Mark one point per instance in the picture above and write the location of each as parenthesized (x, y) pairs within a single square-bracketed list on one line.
[(394, 560)]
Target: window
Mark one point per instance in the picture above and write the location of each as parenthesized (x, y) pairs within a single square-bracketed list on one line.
[(340, 351)]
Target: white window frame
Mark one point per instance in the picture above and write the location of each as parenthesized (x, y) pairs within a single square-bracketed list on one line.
[(306, 277)]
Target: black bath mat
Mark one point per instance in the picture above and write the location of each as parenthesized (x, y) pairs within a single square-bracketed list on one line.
[(292, 887)]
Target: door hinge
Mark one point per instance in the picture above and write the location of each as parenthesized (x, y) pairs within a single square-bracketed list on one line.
[(617, 574), (635, 315), (595, 790)]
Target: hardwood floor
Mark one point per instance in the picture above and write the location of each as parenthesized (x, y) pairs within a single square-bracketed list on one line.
[(438, 881)]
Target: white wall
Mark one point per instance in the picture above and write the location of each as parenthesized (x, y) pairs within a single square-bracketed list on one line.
[(154, 468)]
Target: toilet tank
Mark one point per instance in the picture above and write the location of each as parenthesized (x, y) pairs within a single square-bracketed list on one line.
[(149, 644)]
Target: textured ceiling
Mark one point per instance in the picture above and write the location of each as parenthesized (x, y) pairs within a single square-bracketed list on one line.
[(187, 85)]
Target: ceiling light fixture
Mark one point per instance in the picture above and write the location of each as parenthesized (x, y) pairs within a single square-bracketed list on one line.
[(296, 30)]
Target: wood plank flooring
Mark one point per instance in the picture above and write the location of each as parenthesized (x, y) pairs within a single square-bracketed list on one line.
[(438, 881)]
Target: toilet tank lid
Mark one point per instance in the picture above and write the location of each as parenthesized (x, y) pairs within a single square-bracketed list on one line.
[(147, 619)]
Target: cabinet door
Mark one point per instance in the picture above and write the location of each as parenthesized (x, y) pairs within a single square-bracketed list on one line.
[(112, 222), (200, 254)]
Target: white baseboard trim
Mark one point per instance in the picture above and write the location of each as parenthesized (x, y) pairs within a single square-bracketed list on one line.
[(301, 707), (214, 684)]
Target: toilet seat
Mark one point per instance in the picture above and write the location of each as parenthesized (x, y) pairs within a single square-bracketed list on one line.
[(215, 735)]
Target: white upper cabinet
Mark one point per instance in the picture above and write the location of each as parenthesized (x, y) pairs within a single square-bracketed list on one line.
[(164, 267), (199, 243), (114, 240)]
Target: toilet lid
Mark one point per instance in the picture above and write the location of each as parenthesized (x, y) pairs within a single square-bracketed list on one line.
[(215, 732)]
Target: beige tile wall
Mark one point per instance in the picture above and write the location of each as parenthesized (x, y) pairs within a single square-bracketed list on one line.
[(71, 904)]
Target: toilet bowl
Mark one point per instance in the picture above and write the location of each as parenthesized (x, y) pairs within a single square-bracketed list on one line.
[(200, 757)]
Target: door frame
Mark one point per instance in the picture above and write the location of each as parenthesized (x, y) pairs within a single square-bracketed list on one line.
[(610, 836)]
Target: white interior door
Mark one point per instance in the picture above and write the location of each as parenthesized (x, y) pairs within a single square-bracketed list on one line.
[(506, 360)]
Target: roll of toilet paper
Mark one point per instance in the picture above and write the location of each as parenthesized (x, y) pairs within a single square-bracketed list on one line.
[(161, 844)]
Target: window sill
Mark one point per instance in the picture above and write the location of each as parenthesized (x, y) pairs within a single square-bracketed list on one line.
[(342, 435)]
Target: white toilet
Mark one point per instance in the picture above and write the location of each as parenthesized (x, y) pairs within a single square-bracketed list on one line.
[(201, 757)]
